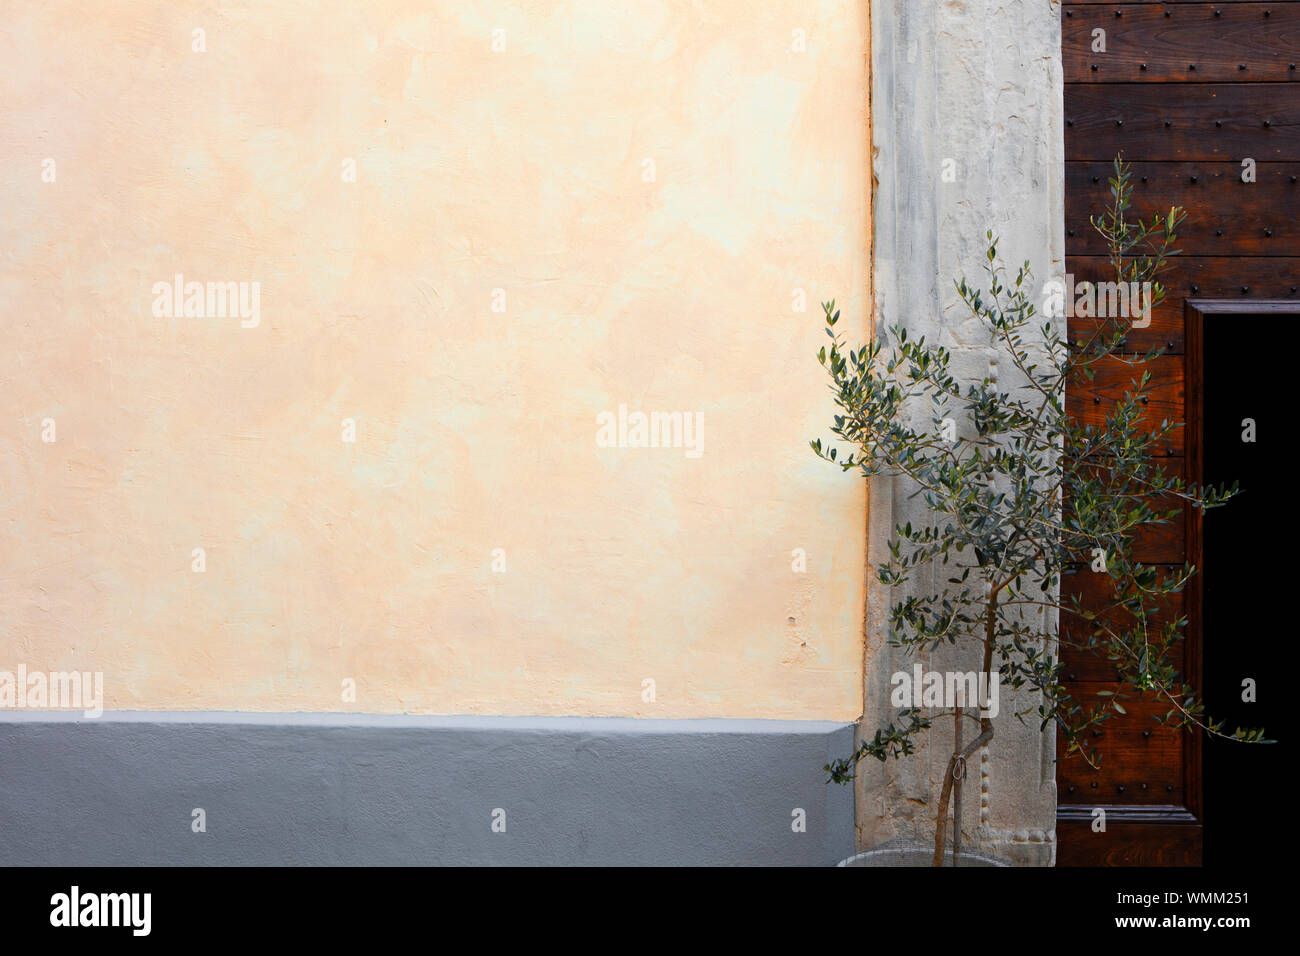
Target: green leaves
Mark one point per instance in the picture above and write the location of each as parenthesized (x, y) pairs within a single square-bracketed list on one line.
[(1024, 494), (895, 740), (832, 314)]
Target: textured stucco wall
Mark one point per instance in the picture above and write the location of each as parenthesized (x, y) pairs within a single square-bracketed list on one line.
[(972, 87), (523, 170)]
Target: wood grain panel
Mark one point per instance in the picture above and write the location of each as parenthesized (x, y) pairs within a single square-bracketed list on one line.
[(1140, 761), (1226, 216), (1193, 42), (1091, 402), (1093, 590), (1163, 3), (1261, 277), (1226, 122), (1151, 840), (1161, 543)]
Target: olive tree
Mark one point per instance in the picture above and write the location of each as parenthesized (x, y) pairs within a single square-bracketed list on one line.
[(1020, 492)]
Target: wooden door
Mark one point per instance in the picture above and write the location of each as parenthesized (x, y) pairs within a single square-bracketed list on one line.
[(1203, 100)]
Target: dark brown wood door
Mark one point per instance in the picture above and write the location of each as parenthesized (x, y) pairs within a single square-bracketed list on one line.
[(1204, 101)]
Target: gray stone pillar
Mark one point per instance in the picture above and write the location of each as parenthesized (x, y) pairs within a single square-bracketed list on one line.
[(974, 88)]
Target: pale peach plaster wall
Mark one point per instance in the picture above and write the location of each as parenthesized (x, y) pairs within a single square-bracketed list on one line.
[(476, 430)]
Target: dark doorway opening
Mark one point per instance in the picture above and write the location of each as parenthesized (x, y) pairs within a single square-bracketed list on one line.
[(1240, 613)]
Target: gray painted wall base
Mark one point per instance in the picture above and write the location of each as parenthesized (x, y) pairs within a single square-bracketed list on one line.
[(326, 789)]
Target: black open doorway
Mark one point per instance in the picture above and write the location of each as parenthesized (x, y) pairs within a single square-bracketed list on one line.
[(1240, 428)]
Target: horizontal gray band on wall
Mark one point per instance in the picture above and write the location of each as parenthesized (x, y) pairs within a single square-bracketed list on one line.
[(327, 789)]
